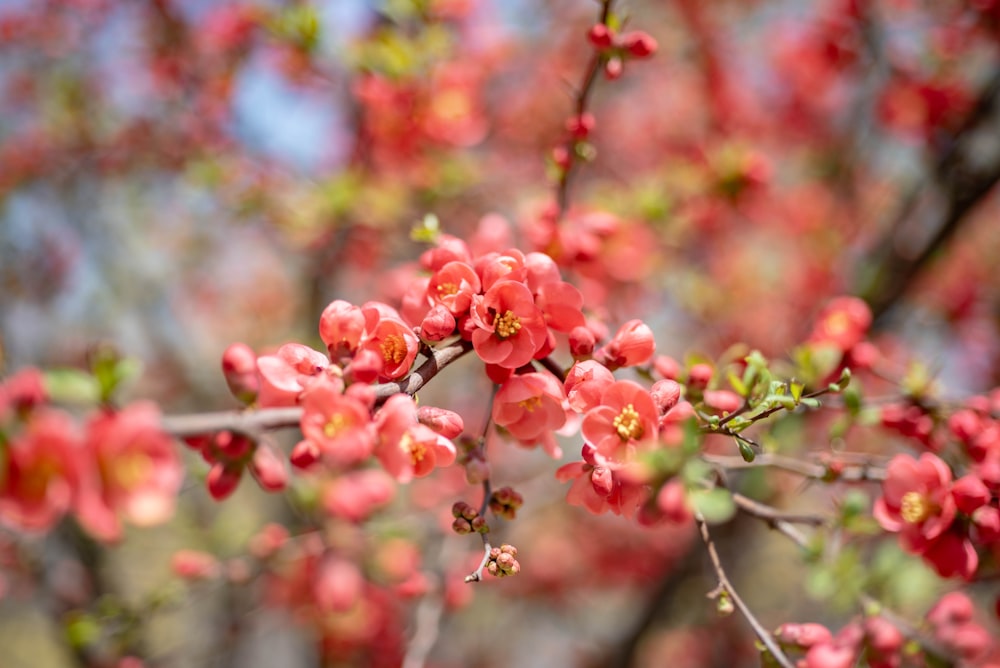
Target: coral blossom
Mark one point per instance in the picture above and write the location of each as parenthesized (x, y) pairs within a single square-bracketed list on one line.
[(406, 448), (509, 328), (531, 407), (338, 425), (625, 417), (136, 472), (916, 500)]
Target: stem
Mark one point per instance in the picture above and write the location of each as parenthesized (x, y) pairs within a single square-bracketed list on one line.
[(727, 586), (579, 108)]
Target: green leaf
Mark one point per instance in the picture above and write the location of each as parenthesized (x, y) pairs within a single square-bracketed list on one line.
[(72, 386), (82, 630), (427, 230), (737, 384), (746, 451), (714, 505)]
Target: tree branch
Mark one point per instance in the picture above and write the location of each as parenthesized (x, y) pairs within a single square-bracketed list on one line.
[(253, 422), (758, 629)]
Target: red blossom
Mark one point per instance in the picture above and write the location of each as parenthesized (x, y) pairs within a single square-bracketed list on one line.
[(406, 448), (531, 407), (337, 424), (509, 328), (916, 500), (625, 418), (41, 471), (136, 472)]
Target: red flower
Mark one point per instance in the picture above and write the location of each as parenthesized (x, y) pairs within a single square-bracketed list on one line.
[(625, 417), (509, 328), (284, 375), (41, 471), (396, 345), (453, 287), (406, 448), (632, 344), (531, 406), (338, 425), (916, 500), (136, 472)]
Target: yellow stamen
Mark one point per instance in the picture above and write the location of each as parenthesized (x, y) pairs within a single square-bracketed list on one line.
[(334, 425), (416, 450), (530, 404), (914, 508), (627, 424), (506, 325), (445, 289), (393, 349)]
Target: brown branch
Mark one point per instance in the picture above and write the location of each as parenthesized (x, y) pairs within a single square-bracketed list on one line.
[(849, 471), (765, 637), (254, 422), (579, 108)]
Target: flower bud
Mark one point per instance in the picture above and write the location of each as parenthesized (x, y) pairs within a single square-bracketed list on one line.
[(638, 44), (268, 469), (223, 479), (600, 36), (581, 342), (239, 366), (438, 324), (447, 423), (194, 565)]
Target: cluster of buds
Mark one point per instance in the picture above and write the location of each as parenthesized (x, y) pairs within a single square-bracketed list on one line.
[(618, 47), (502, 561), (230, 454), (504, 503), (467, 519)]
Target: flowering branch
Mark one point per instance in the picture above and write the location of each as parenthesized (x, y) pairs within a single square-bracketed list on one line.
[(254, 422)]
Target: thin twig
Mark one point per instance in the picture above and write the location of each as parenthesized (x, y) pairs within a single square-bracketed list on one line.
[(848, 471), (580, 108), (253, 422), (758, 629)]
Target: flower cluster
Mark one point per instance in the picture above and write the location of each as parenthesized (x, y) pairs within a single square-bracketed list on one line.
[(119, 465), (877, 641), (922, 503)]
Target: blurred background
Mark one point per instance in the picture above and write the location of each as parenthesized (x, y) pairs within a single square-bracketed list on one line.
[(179, 175)]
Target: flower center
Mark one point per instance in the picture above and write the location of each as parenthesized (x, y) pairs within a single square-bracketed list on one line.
[(506, 325), (414, 448), (530, 404), (393, 349), (130, 470), (627, 424), (914, 508), (446, 289), (334, 425)]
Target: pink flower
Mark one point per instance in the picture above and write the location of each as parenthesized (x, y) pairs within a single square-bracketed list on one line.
[(916, 500), (438, 324), (239, 366), (585, 383), (136, 472), (531, 407), (562, 305), (339, 425), (358, 494), (447, 423), (453, 287), (843, 322), (509, 328), (508, 266), (633, 344), (598, 486), (341, 326), (284, 375), (406, 448), (41, 473), (396, 344), (625, 417), (22, 392)]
